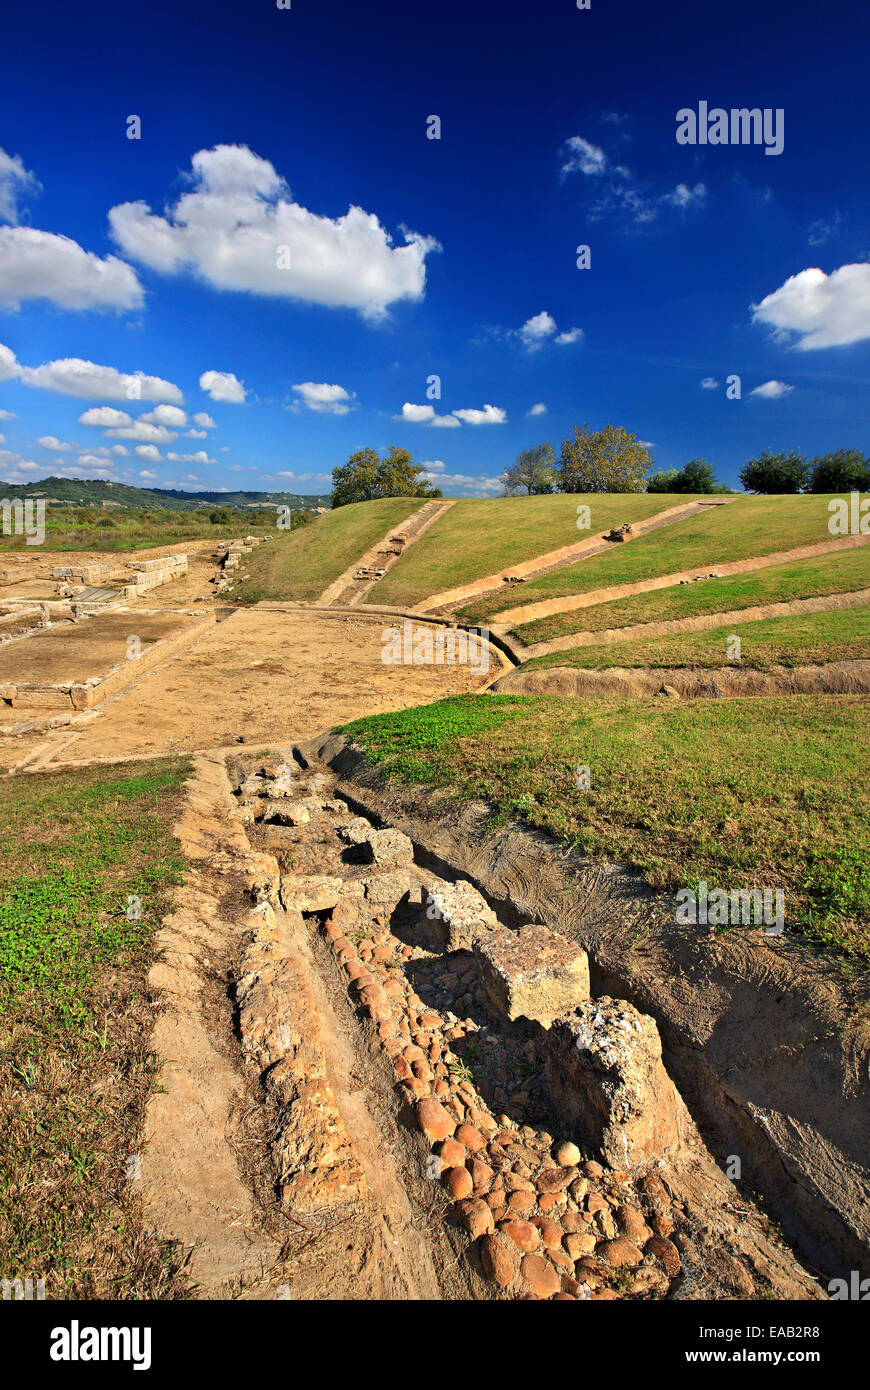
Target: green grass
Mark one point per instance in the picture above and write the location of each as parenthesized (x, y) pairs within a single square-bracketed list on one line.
[(476, 538), (75, 1070), (741, 528), (299, 566), (825, 574), (116, 532), (743, 793), (801, 639)]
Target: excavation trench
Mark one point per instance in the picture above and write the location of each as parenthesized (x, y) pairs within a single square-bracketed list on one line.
[(494, 1090), (833, 678), (420, 1134), (762, 1038)]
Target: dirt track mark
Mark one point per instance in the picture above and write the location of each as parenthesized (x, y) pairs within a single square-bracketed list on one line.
[(192, 1185), (556, 559), (528, 612), (611, 636), (345, 589)]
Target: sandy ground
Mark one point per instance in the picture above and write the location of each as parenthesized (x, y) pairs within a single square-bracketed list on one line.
[(269, 673), (69, 651)]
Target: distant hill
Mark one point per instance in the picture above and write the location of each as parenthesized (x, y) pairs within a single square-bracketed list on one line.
[(302, 501), (93, 492)]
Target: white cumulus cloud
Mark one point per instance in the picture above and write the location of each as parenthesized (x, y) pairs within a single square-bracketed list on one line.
[(709, 383), (72, 376), (330, 400), (148, 434), (771, 390), (148, 451), (50, 441), (820, 310), (490, 415), (239, 229), (541, 329), (170, 415), (425, 415), (104, 417), (43, 265), (15, 183), (537, 409), (223, 386), (199, 457)]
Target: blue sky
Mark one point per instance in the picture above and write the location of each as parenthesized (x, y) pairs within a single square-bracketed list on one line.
[(284, 259)]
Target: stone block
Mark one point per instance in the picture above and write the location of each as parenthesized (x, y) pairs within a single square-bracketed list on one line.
[(605, 1073), (310, 892), (458, 915), (532, 973)]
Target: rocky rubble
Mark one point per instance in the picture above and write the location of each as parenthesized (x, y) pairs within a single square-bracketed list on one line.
[(546, 1118)]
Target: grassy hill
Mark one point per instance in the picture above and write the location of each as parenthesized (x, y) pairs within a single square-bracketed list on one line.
[(793, 640), (755, 792), (299, 566), (744, 527), (835, 573), (476, 538)]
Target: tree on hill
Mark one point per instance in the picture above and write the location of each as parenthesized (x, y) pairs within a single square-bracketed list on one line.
[(221, 516), (367, 476), (784, 472), (534, 469), (847, 470), (694, 476), (608, 460)]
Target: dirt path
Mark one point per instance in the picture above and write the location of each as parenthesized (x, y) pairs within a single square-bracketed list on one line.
[(557, 559), (705, 620), (528, 612), (207, 1170), (345, 589)]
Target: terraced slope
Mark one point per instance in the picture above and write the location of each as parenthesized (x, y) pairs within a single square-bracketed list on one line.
[(299, 565), (747, 526), (477, 538), (833, 573), (791, 640)]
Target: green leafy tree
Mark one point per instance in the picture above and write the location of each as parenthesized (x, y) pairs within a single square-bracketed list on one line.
[(694, 476), (533, 470), (354, 481), (608, 460), (221, 516), (785, 472), (663, 481), (366, 476), (847, 470)]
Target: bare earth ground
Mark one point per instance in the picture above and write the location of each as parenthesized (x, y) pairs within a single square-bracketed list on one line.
[(270, 673)]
